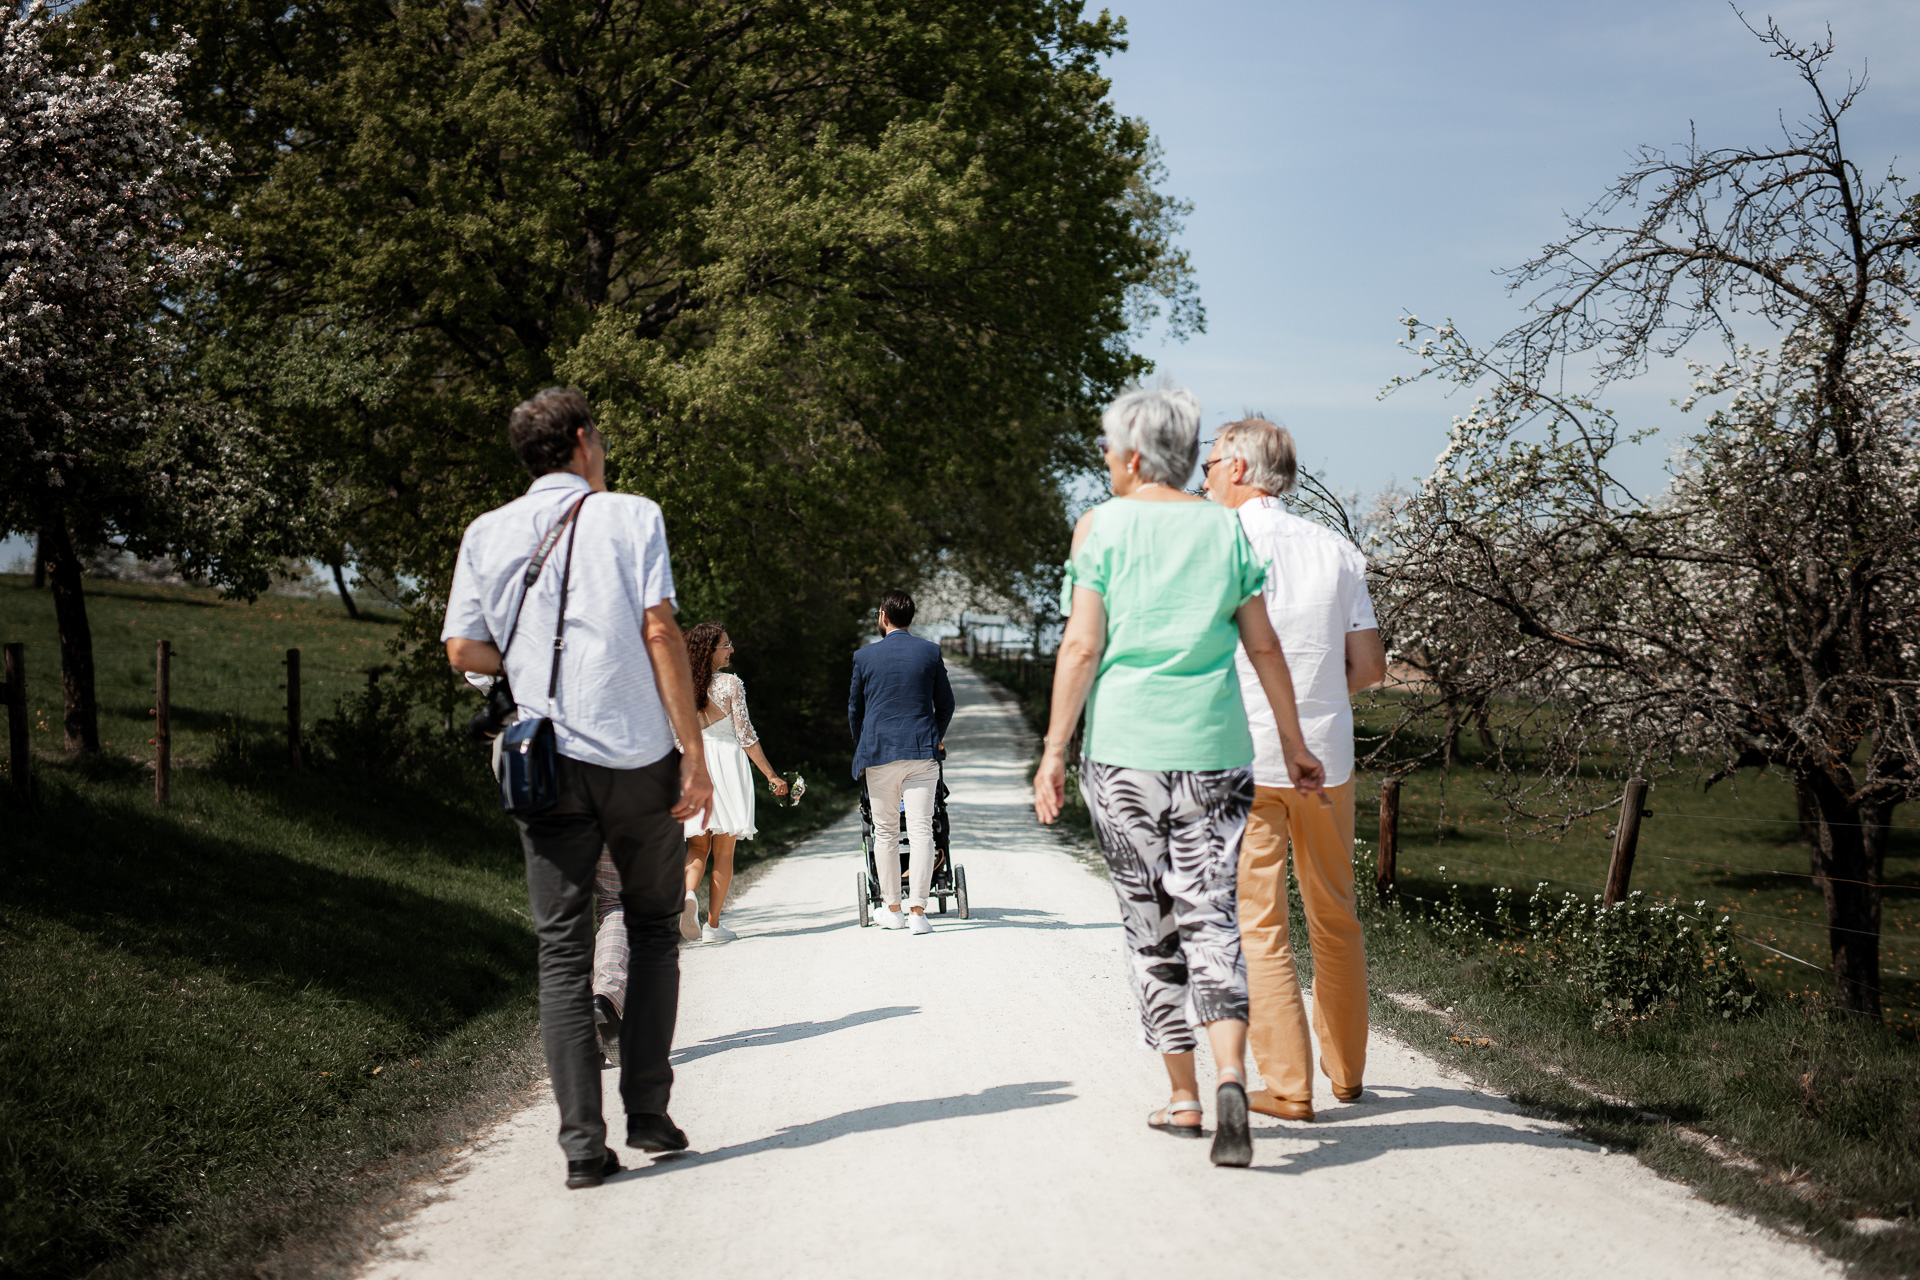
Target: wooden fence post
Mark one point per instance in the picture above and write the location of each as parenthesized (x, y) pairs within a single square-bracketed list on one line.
[(1388, 866), (21, 754), (293, 707), (162, 721), (1626, 839)]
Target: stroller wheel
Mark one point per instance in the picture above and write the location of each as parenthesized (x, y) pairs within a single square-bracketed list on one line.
[(960, 890), (860, 896), (943, 906)]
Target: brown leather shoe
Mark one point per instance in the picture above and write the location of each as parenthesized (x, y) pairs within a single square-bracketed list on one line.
[(1340, 1092), (1279, 1108)]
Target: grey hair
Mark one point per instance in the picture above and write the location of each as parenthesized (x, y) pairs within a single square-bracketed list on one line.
[(1162, 425), (1267, 449)]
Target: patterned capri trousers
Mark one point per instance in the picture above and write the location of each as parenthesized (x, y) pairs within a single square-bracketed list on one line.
[(1172, 845)]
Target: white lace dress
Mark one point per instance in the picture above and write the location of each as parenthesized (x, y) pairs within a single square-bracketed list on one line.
[(726, 741)]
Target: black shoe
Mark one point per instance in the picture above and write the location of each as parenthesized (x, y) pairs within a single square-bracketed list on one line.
[(1232, 1140), (649, 1132), (606, 1020), (591, 1173)]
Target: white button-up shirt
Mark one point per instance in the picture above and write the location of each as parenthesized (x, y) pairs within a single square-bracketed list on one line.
[(607, 710), (1316, 593)]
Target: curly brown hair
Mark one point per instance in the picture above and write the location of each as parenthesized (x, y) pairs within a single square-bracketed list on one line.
[(701, 642)]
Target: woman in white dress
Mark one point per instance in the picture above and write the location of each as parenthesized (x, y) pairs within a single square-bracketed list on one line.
[(720, 699)]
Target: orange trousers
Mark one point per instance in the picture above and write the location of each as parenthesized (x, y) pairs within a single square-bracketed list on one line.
[(1322, 839)]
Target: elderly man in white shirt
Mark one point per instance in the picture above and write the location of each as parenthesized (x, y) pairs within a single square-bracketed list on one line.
[(618, 692), (1317, 599)]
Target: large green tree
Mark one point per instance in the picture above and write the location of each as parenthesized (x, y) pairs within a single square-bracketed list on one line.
[(846, 281)]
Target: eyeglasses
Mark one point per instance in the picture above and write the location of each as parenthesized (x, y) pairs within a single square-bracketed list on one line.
[(1206, 468), (1100, 443)]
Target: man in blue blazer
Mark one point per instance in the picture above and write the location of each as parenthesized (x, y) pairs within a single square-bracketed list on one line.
[(899, 709)]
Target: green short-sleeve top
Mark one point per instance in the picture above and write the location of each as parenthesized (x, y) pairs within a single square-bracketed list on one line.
[(1166, 696)]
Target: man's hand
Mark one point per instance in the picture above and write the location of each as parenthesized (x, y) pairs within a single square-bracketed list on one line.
[(696, 788), (673, 677), (1305, 771)]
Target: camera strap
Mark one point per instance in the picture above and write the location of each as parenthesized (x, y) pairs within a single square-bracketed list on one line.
[(560, 618), (532, 575)]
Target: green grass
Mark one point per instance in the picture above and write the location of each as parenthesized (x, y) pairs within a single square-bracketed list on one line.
[(237, 1026), (1735, 847), (226, 669)]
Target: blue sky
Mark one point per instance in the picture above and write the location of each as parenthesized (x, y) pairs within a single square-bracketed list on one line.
[(1348, 162)]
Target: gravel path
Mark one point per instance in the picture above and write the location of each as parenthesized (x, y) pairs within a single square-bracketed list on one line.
[(971, 1103)]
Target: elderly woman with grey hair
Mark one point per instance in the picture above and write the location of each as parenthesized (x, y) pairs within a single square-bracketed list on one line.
[(1160, 586)]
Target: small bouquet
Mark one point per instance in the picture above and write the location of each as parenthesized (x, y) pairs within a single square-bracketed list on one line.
[(796, 787)]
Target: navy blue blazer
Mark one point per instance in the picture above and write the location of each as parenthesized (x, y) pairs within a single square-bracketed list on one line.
[(900, 704)]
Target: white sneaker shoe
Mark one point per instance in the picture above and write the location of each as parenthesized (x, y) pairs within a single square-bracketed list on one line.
[(889, 918), (690, 919), (917, 923), (717, 933)]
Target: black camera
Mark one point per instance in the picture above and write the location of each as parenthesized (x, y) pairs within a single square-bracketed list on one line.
[(488, 721)]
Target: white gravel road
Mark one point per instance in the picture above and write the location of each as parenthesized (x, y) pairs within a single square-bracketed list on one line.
[(971, 1103)]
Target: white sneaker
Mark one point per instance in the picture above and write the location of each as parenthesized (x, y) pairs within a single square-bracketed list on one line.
[(717, 933), (889, 918), (917, 923), (690, 919)]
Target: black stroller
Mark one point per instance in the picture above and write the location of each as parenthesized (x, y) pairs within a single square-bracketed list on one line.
[(948, 880)]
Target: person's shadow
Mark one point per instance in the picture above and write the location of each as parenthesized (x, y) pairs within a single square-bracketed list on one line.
[(787, 1033), (887, 1115), (1337, 1144)]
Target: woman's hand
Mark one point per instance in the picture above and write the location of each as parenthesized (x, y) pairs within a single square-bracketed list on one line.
[(1050, 785), (777, 784)]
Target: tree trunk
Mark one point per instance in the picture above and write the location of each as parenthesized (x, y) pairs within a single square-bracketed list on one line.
[(340, 583), (1847, 863), (1450, 748), (76, 638), (1483, 727), (39, 564), (1809, 816)]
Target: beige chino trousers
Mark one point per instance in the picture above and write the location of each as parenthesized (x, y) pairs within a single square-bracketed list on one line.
[(1322, 840), (917, 782)]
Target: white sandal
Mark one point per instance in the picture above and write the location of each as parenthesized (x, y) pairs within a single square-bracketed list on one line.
[(1162, 1119)]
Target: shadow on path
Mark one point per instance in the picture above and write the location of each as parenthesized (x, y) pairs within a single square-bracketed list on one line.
[(788, 1033), (1335, 1146), (889, 1115), (1028, 918)]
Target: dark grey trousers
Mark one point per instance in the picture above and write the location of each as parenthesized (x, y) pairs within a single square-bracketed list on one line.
[(626, 811)]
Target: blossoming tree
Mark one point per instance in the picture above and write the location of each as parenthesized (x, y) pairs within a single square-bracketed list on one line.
[(101, 437), (1764, 610)]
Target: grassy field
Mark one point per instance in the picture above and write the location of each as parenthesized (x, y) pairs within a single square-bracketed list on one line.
[(1736, 848), (1817, 1115), (236, 1027), (226, 668)]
